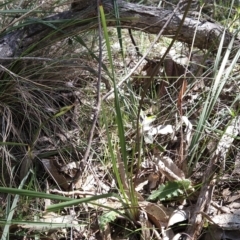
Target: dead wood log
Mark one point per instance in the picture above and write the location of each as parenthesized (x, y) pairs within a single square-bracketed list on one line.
[(143, 18)]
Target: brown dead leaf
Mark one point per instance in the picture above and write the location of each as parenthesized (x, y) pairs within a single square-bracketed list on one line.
[(181, 94), (173, 73), (54, 174), (169, 169), (157, 213), (25, 166), (153, 180)]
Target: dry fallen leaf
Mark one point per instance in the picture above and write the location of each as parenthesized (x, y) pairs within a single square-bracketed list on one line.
[(227, 221), (52, 221), (168, 162), (178, 215), (157, 213), (54, 174)]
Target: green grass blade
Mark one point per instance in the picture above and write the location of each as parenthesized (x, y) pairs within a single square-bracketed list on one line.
[(113, 158), (119, 32), (33, 194), (117, 103), (213, 95), (119, 120), (5, 234), (71, 203)]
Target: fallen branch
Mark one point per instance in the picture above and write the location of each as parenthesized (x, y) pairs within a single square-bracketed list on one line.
[(143, 18)]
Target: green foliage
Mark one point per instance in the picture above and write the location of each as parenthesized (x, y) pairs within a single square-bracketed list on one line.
[(220, 79), (133, 212), (106, 218), (13, 208), (170, 190)]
